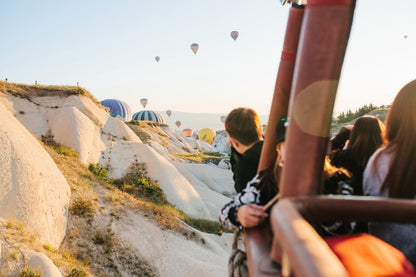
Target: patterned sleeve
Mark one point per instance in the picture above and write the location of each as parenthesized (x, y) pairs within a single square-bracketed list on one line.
[(249, 195)]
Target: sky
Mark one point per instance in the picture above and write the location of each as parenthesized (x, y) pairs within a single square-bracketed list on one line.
[(109, 48)]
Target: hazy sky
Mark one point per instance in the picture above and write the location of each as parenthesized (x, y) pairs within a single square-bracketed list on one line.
[(109, 47)]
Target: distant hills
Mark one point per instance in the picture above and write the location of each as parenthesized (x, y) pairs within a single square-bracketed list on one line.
[(197, 121)]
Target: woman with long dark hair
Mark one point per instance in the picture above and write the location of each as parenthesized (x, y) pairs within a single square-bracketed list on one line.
[(391, 171), (367, 135)]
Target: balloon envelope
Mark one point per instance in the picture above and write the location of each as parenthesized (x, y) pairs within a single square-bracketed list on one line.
[(157, 58), (207, 135), (149, 115), (194, 47), (169, 112), (178, 123), (234, 35), (222, 118), (118, 108), (187, 132), (143, 101)]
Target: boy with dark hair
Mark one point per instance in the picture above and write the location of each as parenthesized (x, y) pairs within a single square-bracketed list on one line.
[(246, 140), (246, 208)]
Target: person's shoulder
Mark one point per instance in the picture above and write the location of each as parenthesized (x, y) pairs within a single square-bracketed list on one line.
[(375, 172), (380, 158), (259, 144), (254, 150)]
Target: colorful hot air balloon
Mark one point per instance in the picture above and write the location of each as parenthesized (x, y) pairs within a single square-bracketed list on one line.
[(148, 115), (207, 135), (157, 58), (169, 112), (194, 47), (222, 118), (187, 132), (178, 123), (143, 101), (118, 108), (234, 35)]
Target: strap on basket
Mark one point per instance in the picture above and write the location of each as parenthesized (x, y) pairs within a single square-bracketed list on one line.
[(235, 239)]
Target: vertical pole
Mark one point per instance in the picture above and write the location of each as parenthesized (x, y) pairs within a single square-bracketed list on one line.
[(283, 84), (322, 45), (258, 241)]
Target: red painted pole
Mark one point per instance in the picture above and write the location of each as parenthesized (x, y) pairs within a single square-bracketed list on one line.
[(322, 45), (280, 102), (258, 240)]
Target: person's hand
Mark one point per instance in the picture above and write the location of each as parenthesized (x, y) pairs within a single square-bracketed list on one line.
[(251, 215)]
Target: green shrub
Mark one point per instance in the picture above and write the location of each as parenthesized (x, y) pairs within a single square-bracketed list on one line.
[(204, 225), (15, 224), (66, 151), (14, 255), (350, 115), (101, 237), (49, 247), (151, 190), (81, 207), (75, 272), (49, 140), (99, 171), (28, 272), (105, 239), (10, 224), (136, 182), (139, 129), (202, 157), (143, 187)]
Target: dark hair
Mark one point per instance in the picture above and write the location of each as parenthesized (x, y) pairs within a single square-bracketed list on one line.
[(367, 135), (244, 125), (338, 142), (401, 137)]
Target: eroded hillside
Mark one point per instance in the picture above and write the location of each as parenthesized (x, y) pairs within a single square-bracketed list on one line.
[(116, 226)]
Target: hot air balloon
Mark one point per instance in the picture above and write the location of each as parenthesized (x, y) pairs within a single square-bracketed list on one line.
[(187, 132), (148, 115), (405, 36), (194, 47), (143, 101), (234, 35), (157, 58), (207, 135), (222, 118), (169, 112), (178, 123), (118, 108)]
